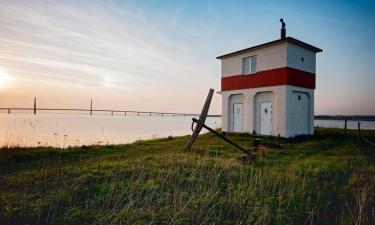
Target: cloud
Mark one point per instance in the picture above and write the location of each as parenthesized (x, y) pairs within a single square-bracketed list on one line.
[(87, 42)]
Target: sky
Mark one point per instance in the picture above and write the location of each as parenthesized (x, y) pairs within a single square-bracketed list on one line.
[(161, 55)]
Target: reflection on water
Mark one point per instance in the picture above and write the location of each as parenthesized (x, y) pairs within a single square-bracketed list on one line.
[(63, 130)]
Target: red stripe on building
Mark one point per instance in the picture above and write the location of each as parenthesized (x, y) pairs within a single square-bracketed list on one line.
[(274, 77)]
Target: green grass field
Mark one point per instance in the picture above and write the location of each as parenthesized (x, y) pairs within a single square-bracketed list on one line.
[(325, 179)]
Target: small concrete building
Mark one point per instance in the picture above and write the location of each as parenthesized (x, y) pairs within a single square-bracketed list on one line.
[(269, 88)]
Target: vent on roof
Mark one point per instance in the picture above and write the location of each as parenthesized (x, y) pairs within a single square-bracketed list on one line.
[(283, 30)]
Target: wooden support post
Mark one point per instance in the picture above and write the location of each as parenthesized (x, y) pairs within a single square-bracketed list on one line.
[(34, 105), (112, 113), (202, 120), (125, 113), (278, 141), (346, 123), (359, 132), (138, 113), (150, 114), (8, 110), (162, 114), (91, 107)]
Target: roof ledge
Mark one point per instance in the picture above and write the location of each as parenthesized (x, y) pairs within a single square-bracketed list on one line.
[(275, 42)]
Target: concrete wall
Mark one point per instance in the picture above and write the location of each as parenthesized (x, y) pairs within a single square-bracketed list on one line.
[(300, 112), (270, 57), (295, 53), (253, 97), (290, 116)]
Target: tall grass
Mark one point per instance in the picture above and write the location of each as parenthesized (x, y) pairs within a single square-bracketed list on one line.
[(320, 180)]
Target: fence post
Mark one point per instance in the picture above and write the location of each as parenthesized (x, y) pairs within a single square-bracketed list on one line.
[(9, 111), (346, 122), (91, 107), (278, 141), (359, 132), (34, 105)]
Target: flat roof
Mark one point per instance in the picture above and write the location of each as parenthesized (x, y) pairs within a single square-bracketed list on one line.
[(278, 41)]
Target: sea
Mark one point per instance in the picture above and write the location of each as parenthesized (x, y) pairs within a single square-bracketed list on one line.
[(71, 129)]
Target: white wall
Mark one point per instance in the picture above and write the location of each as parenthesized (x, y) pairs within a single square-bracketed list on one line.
[(295, 53), (269, 57), (272, 57), (249, 100), (300, 113), (290, 117)]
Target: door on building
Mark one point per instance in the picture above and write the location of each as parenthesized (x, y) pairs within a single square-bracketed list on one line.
[(238, 117), (266, 118)]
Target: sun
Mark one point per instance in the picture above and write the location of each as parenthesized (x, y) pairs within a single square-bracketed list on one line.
[(4, 79)]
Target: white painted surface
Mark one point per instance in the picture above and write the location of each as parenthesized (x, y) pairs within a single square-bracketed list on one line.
[(283, 109), (238, 117), (299, 116), (300, 113), (259, 98), (251, 108), (270, 57), (295, 53), (290, 117), (234, 99), (266, 118)]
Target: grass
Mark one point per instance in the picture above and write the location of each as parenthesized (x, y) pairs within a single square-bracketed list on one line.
[(324, 179)]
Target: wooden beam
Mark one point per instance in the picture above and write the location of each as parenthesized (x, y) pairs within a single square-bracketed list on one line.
[(202, 120), (34, 105)]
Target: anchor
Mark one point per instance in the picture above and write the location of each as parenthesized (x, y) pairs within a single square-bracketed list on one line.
[(200, 123)]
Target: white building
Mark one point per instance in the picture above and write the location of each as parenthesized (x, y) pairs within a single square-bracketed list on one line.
[(269, 88)]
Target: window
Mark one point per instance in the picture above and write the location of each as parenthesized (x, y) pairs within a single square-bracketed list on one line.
[(249, 64)]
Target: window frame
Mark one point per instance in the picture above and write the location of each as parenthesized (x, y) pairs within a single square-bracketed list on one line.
[(250, 66)]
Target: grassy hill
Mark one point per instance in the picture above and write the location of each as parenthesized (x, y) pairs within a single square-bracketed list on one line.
[(325, 179)]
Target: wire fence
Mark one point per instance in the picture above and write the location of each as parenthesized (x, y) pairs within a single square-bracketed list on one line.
[(366, 143)]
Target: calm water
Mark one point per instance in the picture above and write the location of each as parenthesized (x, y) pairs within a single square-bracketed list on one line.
[(62, 130), (370, 125)]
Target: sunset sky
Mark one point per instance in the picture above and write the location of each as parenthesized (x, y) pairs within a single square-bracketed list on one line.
[(160, 55)]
